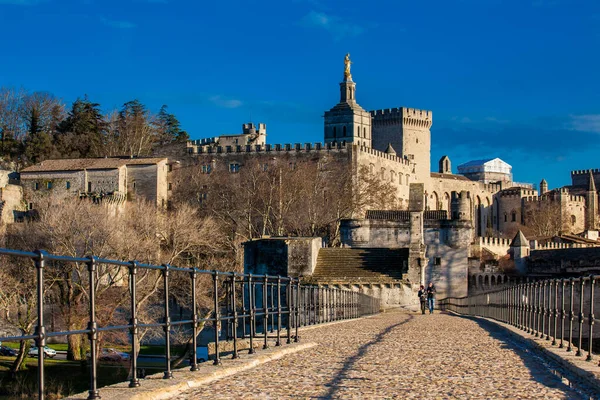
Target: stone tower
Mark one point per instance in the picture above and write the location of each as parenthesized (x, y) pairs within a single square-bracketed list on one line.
[(519, 251), (348, 121), (408, 130), (543, 187), (591, 204), (444, 166)]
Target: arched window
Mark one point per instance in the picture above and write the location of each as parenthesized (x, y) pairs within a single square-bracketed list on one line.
[(344, 132), (573, 220), (358, 131), (372, 168), (400, 178), (365, 133), (334, 132), (383, 173), (407, 179)]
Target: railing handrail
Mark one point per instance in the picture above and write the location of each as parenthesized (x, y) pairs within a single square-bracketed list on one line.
[(285, 301)]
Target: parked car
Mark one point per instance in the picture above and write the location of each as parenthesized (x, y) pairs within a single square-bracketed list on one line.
[(110, 354), (8, 352), (48, 352)]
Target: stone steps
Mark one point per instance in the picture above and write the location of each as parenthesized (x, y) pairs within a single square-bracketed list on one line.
[(360, 264)]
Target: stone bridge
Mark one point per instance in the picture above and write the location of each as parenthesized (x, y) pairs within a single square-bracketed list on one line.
[(398, 354)]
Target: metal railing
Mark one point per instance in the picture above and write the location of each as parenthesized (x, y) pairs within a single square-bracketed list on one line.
[(560, 310), (250, 306)]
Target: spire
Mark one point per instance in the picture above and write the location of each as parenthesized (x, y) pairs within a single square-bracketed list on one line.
[(543, 186), (591, 184), (347, 86), (390, 149), (519, 240)]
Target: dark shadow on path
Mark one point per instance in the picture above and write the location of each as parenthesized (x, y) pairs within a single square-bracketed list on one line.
[(542, 369), (334, 384)]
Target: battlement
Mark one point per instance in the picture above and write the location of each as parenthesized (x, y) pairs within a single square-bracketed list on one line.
[(492, 187), (554, 245), (585, 172), (267, 148), (517, 192), (494, 241), (385, 155), (408, 116)]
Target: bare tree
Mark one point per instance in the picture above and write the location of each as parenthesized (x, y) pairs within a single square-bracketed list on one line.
[(543, 218)]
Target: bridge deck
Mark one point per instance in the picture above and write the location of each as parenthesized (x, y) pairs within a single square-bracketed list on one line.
[(399, 354)]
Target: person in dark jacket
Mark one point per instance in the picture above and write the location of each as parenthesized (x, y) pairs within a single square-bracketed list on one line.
[(422, 298), (431, 297)]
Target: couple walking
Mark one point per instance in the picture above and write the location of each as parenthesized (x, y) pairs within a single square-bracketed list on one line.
[(427, 297)]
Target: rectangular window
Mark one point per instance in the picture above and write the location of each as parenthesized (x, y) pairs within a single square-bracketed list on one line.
[(234, 168), (170, 167), (48, 185), (170, 186), (31, 206), (206, 168), (89, 186), (68, 185), (437, 261)]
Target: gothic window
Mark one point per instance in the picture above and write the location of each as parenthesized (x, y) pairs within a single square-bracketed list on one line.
[(334, 132), (573, 220), (383, 173), (392, 176), (513, 216), (344, 132), (234, 168)]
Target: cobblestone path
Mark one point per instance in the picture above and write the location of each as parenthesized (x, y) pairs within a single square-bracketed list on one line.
[(398, 355)]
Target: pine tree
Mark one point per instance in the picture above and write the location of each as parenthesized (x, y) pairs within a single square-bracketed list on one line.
[(81, 134)]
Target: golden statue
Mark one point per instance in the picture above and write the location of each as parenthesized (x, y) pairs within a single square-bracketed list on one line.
[(347, 63)]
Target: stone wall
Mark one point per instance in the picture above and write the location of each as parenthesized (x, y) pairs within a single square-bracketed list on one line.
[(149, 182), (76, 180), (282, 256), (11, 197)]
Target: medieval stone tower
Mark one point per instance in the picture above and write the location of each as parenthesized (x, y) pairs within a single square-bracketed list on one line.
[(348, 121), (591, 203), (408, 131)]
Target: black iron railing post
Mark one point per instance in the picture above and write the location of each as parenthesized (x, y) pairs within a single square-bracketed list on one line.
[(40, 329), (134, 381), (545, 310), (266, 310), (252, 310), (297, 320), (167, 325), (571, 316), (278, 342), (244, 311), (591, 318), (272, 308), (217, 314), (562, 313), (234, 325), (193, 277), (581, 316), (93, 330), (289, 302)]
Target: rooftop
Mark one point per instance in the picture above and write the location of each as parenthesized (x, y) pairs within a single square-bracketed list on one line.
[(79, 164)]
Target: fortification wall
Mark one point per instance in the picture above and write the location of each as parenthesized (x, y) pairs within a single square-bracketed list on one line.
[(582, 177), (498, 246), (11, 197)]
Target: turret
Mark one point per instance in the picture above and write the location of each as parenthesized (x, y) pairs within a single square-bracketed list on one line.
[(519, 251), (543, 187), (460, 206), (591, 205)]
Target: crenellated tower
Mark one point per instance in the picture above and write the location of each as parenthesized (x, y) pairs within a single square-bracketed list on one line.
[(591, 203), (408, 131), (348, 121)]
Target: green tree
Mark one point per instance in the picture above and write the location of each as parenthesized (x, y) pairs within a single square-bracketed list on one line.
[(168, 128), (42, 114), (81, 133)]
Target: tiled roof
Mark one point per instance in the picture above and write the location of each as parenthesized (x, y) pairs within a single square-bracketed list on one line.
[(79, 164)]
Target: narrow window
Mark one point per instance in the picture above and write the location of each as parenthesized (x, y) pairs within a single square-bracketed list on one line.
[(68, 185), (437, 261), (344, 132), (505, 218), (36, 186), (31, 206), (170, 186), (514, 216), (573, 220), (48, 185), (334, 132), (90, 186), (170, 167), (234, 168), (365, 133)]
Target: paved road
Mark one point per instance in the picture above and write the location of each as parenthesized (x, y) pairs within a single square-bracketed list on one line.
[(399, 355)]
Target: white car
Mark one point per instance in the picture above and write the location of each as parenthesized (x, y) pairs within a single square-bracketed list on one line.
[(48, 352)]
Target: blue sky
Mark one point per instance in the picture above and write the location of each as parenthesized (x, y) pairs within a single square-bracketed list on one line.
[(515, 79)]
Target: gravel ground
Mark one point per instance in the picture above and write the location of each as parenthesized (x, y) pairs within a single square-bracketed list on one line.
[(398, 355)]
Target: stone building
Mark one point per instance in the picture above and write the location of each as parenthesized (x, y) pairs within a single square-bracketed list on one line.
[(112, 179), (251, 135)]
